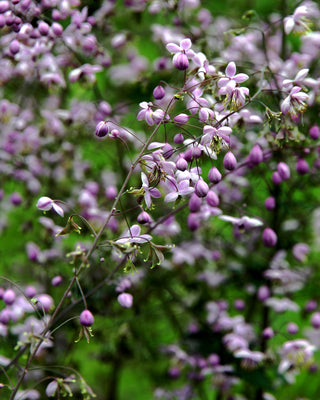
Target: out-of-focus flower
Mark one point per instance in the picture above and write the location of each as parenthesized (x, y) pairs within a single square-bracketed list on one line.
[(298, 22), (125, 300), (294, 103)]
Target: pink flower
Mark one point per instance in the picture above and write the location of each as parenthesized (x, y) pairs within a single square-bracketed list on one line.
[(45, 204), (294, 103), (181, 53), (125, 300)]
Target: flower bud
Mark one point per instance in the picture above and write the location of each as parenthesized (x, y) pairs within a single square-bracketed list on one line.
[(302, 167), (311, 306), (111, 192), (56, 280), (283, 171), (256, 155), (4, 6), (45, 302), (86, 318), (102, 129), (229, 161), (194, 203), (314, 132), (178, 139), (276, 178), (182, 164), (263, 293), (270, 203), (300, 251), (269, 238), (43, 28), (193, 222), (239, 304), (181, 119), (212, 199), (201, 188), (214, 175), (9, 297), (125, 300), (14, 47), (144, 218), (159, 92), (292, 328), (268, 333), (5, 316), (30, 291), (315, 320), (15, 199), (180, 61), (167, 151)]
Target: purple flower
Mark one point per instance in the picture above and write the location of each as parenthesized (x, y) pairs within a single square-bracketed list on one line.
[(214, 175), (45, 204), (201, 188), (102, 129), (86, 318), (314, 132), (181, 119), (302, 166), (300, 251), (125, 300), (256, 155), (133, 236), (269, 238), (9, 297), (270, 203), (181, 53), (182, 189), (147, 191), (294, 103), (159, 92), (283, 170), (229, 161)]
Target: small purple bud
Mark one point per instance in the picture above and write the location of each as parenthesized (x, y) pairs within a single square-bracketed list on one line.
[(256, 155), (43, 28), (302, 167), (174, 372), (283, 171), (15, 199), (300, 251), (311, 306), (201, 188), (86, 318), (263, 293), (239, 304), (315, 320), (268, 333), (111, 192), (178, 139), (14, 47), (57, 29), (292, 328), (229, 161), (314, 132), (125, 300), (214, 175), (4, 6), (212, 199), (158, 92), (30, 291), (5, 316), (188, 155), (196, 152), (269, 238), (9, 297), (194, 203), (102, 129), (167, 151), (181, 164), (180, 61), (193, 222), (270, 203), (276, 178), (181, 119), (213, 360), (56, 280), (45, 302), (144, 218)]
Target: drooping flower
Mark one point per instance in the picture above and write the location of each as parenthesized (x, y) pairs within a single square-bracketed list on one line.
[(148, 192), (294, 103), (181, 189), (86, 318), (45, 204), (181, 53)]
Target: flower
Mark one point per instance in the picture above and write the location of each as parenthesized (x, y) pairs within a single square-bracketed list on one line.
[(181, 53), (86, 318), (133, 236), (182, 189), (147, 191), (269, 238), (45, 204), (125, 300), (294, 103)]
